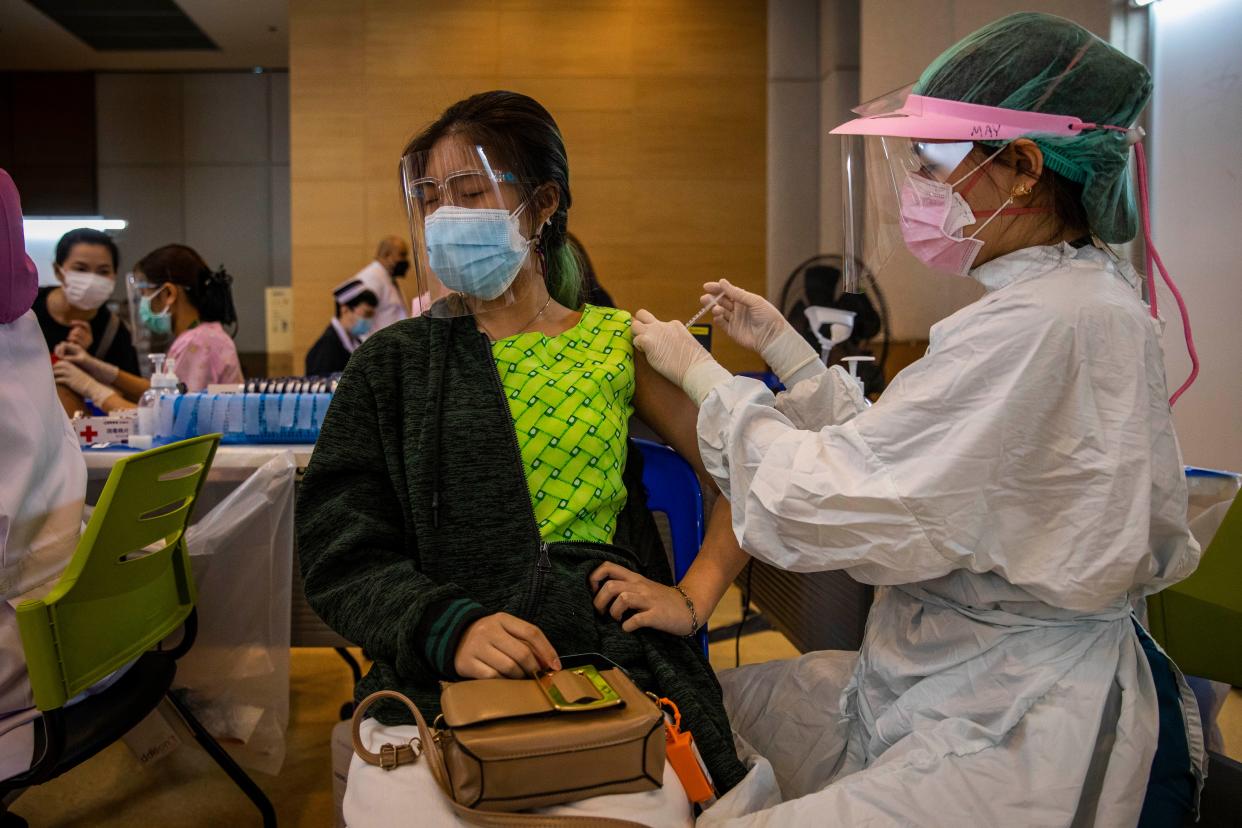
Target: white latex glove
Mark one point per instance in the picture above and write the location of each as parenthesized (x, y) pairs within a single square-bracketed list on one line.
[(754, 323), (81, 383), (68, 351), (672, 350)]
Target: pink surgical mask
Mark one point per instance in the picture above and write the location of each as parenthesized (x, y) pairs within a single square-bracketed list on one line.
[(932, 218)]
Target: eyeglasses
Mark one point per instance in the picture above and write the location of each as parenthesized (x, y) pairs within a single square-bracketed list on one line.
[(468, 188), (938, 159)]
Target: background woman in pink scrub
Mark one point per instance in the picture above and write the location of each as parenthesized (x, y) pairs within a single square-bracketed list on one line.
[(180, 297)]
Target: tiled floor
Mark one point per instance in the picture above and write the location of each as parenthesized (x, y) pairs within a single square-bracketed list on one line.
[(186, 788)]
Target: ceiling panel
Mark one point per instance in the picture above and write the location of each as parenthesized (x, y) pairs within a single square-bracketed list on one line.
[(125, 25), (245, 34)]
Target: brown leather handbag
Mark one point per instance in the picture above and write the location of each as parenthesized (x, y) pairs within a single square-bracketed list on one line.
[(512, 744)]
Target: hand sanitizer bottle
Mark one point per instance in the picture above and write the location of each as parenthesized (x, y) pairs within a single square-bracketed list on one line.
[(163, 381)]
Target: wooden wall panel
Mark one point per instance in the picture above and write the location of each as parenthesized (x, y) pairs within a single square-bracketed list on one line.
[(661, 102)]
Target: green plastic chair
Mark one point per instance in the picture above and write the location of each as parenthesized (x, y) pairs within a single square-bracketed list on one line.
[(127, 587), (1199, 621)]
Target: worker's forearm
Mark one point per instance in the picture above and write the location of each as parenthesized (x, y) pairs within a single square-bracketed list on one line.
[(116, 402), (130, 386), (718, 562)]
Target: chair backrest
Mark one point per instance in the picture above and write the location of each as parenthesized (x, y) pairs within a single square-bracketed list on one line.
[(772, 381), (1199, 621), (673, 489), (128, 584)]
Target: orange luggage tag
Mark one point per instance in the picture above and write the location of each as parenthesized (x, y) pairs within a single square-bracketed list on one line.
[(684, 757)]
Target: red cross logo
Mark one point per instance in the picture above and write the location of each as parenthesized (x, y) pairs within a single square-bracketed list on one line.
[(90, 434)]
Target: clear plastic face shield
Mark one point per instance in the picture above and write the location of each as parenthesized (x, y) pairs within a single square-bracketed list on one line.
[(906, 167), (890, 185), (150, 314), (471, 224)]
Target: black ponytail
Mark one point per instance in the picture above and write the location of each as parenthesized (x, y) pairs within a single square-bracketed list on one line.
[(210, 292), (213, 296)]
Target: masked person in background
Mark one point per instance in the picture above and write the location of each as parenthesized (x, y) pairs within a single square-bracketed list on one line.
[(75, 311), (1011, 494), (178, 295), (353, 320), (44, 482), (474, 467), (392, 262)]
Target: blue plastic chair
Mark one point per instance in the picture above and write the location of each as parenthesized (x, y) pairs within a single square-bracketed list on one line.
[(673, 488), (769, 379)]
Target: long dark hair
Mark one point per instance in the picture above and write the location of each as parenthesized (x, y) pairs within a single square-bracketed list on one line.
[(86, 235), (524, 136), (210, 292)]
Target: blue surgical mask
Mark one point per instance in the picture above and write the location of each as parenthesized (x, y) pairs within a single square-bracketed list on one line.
[(478, 252), (361, 326), (160, 323)]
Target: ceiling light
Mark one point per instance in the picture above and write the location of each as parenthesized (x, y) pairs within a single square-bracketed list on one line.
[(53, 227)]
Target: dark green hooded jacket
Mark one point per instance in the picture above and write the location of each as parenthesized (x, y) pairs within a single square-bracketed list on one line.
[(414, 520)]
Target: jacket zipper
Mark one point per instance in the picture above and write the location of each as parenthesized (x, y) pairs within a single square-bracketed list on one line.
[(543, 564), (542, 567)]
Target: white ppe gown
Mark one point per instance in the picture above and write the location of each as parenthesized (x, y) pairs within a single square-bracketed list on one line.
[(42, 490), (1010, 494)]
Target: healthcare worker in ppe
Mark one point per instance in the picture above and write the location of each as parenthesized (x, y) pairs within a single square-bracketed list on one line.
[(44, 482), (176, 295), (1011, 494)]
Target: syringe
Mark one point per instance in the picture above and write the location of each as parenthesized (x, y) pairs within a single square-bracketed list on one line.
[(704, 310)]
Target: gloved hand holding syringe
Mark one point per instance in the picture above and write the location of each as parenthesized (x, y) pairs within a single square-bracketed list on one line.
[(704, 310), (755, 324)]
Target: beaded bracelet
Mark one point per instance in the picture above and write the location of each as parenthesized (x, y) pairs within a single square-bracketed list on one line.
[(694, 615)]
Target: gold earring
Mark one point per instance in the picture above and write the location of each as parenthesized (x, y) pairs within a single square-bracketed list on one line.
[(1021, 190)]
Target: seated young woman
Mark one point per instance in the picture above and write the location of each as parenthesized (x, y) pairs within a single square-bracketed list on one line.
[(474, 469)]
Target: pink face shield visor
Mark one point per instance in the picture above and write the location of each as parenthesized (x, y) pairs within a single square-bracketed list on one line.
[(902, 114)]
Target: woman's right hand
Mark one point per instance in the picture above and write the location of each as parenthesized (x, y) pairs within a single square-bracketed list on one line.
[(72, 352), (503, 646), (80, 334)]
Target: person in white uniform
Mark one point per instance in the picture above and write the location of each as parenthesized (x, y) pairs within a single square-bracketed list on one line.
[(391, 262), (1011, 494), (44, 482)]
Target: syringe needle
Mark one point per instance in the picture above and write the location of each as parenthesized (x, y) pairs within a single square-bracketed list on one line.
[(704, 310)]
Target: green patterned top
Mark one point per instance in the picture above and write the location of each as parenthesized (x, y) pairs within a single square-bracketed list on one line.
[(571, 397)]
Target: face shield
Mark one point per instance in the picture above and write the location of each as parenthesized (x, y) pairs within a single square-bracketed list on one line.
[(470, 228), (905, 165), (901, 192), (150, 316)]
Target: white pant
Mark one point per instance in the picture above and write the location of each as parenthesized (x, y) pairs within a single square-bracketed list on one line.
[(409, 794)]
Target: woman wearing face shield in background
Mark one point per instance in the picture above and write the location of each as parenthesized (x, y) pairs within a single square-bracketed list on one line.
[(473, 468), (1011, 494), (178, 296)]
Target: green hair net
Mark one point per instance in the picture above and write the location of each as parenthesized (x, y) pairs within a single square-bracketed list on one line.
[(1041, 63)]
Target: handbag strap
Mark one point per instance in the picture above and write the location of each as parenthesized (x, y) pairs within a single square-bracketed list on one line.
[(391, 756), (109, 334)]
